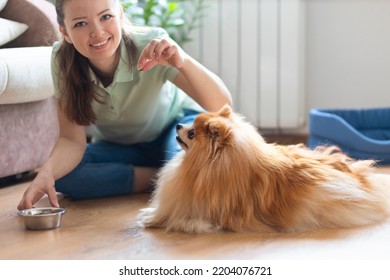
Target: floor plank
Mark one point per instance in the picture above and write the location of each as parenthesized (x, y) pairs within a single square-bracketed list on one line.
[(105, 229)]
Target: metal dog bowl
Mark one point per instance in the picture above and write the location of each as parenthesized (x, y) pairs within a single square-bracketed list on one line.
[(42, 218)]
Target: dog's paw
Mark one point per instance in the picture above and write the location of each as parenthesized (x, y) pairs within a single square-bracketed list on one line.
[(198, 226), (149, 218), (146, 217)]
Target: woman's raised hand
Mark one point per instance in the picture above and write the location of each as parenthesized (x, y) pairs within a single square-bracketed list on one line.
[(161, 51)]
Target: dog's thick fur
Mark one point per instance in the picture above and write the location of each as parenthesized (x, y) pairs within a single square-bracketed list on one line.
[(229, 178)]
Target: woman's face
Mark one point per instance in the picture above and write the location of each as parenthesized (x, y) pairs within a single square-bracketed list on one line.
[(94, 28)]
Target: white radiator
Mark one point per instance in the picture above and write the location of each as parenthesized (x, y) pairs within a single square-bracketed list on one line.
[(257, 48)]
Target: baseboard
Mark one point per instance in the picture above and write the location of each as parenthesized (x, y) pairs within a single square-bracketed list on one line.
[(286, 139)]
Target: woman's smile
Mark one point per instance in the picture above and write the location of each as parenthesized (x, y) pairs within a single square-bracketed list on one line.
[(101, 44)]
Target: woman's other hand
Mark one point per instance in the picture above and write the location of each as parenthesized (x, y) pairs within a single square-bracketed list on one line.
[(41, 185)]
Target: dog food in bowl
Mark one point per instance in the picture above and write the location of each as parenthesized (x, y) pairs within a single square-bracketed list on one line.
[(42, 218)]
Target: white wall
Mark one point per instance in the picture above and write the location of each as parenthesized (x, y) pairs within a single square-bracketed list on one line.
[(257, 47), (347, 53)]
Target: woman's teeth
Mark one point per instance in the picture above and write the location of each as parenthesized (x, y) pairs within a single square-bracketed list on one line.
[(99, 44)]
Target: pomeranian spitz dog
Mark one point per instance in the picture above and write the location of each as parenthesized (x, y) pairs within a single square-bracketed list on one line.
[(228, 178)]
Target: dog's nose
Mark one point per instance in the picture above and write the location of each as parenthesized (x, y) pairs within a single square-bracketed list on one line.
[(179, 126)]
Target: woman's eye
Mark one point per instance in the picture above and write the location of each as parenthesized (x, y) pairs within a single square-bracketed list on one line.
[(106, 17), (80, 24), (191, 134)]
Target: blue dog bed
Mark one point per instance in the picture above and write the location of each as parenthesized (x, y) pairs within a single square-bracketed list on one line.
[(360, 133)]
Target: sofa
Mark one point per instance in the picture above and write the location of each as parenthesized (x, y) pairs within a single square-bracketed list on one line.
[(28, 114)]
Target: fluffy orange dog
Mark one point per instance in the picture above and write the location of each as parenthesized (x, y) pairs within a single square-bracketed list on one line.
[(229, 178)]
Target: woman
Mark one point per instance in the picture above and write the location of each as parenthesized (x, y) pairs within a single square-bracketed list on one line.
[(135, 85)]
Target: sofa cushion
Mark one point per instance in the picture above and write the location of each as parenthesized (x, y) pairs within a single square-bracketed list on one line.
[(3, 75), (39, 15), (2, 4), (10, 30), (25, 74)]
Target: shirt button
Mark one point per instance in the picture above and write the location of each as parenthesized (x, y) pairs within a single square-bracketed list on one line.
[(112, 108)]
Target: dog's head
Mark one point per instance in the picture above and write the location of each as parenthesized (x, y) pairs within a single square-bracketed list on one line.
[(214, 128), (214, 131)]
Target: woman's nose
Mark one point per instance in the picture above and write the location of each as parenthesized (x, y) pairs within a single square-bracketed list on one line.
[(96, 31)]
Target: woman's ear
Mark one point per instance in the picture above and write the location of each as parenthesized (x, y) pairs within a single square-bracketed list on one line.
[(65, 35), (121, 12)]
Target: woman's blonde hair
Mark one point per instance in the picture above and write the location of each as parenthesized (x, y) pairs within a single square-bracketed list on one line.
[(74, 83)]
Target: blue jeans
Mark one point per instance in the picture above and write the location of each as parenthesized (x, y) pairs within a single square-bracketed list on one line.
[(107, 169)]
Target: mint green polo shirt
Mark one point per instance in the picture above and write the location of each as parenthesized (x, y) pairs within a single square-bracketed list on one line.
[(138, 105)]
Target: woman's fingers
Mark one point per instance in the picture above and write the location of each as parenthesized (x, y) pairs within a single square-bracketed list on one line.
[(158, 51), (52, 195), (161, 47), (147, 54), (30, 197)]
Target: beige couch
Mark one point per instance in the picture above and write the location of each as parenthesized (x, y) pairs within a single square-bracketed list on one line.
[(28, 117)]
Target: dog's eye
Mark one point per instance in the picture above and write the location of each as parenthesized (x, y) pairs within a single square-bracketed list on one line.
[(191, 134)]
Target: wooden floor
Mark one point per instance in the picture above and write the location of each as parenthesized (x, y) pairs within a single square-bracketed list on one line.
[(105, 229)]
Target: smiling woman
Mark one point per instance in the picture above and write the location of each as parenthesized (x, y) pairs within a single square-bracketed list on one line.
[(95, 32), (135, 84)]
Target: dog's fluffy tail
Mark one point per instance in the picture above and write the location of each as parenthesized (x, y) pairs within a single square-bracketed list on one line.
[(382, 182), (368, 206)]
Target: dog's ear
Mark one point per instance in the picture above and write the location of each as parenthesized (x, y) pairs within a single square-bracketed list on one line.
[(218, 129), (213, 130), (225, 111)]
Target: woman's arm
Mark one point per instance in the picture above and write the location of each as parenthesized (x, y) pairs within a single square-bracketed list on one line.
[(197, 81), (65, 156), (202, 85)]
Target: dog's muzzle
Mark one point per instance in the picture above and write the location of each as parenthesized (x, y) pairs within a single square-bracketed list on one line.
[(181, 142), (178, 139)]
